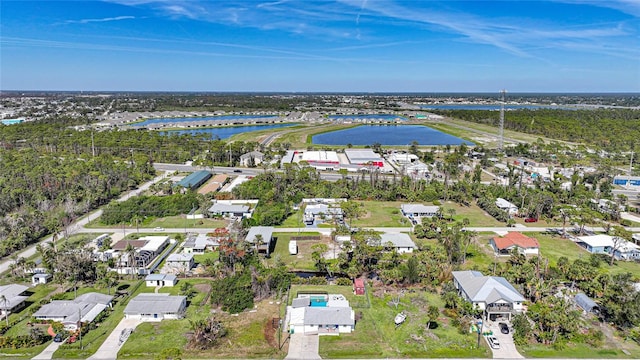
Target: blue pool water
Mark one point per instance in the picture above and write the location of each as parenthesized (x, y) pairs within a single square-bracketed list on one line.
[(206, 118), (388, 135), (226, 132), (318, 303)]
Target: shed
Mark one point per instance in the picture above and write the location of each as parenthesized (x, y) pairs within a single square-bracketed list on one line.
[(40, 279), (586, 303), (358, 287)]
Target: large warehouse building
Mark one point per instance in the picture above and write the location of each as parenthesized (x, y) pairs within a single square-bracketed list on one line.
[(364, 157)]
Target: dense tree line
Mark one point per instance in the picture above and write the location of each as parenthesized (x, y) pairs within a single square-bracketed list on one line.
[(42, 193), (611, 129)]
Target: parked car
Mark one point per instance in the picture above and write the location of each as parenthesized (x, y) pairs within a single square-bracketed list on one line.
[(493, 342), (237, 171), (530, 220), (57, 338), (504, 328)]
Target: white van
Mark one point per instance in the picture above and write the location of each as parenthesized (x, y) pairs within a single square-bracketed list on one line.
[(493, 342)]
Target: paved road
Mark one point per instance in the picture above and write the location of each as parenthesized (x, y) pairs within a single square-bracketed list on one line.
[(303, 346), (111, 345), (78, 225)]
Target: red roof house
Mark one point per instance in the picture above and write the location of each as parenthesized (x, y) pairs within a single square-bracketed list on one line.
[(515, 240)]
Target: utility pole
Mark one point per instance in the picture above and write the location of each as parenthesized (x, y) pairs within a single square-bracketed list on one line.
[(501, 139), (630, 169), (80, 326)]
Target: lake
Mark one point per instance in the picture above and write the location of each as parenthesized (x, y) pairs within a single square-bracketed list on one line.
[(388, 135), (226, 132), (359, 117), (204, 118)]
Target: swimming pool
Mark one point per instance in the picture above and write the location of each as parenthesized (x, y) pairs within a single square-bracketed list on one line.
[(318, 301)]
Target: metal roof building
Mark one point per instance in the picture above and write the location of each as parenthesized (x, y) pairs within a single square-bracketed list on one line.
[(363, 156), (267, 235), (586, 303), (194, 180)]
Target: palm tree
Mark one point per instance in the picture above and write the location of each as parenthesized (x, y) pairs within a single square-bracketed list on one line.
[(5, 301), (131, 258)]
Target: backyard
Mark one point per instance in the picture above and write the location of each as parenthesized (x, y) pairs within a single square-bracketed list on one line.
[(376, 335), (301, 261)]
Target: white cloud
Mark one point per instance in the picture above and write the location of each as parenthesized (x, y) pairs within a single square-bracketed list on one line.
[(107, 19)]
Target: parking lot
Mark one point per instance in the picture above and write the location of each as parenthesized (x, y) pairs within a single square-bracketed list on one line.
[(507, 347)]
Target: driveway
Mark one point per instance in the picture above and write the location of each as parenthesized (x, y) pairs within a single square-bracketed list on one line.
[(507, 347), (303, 346), (47, 353), (110, 347)]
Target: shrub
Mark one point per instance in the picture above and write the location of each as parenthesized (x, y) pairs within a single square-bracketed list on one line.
[(343, 282)]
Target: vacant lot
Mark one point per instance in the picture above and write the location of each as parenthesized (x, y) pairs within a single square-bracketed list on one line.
[(477, 217), (301, 261)]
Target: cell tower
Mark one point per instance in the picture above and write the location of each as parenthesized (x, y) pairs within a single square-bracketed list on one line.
[(501, 140)]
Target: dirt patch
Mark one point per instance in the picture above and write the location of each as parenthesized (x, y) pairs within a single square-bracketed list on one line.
[(269, 333)]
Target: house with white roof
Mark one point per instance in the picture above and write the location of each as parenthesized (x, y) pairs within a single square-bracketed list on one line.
[(505, 205), (156, 307), (198, 244), (180, 261), (619, 248), (419, 210), (155, 280), (322, 314), (492, 294), (84, 309), (401, 242)]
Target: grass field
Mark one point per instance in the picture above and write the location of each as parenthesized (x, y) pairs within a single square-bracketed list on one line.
[(381, 214), (553, 247), (578, 351), (301, 261), (376, 336), (476, 216)]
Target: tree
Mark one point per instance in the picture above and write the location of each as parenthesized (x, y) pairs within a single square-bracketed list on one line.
[(352, 210), (411, 271), (206, 333), (318, 251), (5, 301), (432, 315)]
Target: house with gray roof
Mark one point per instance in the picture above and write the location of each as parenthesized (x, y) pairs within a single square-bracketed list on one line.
[(14, 298), (401, 242), (492, 294), (331, 316), (219, 209), (161, 280), (198, 244), (84, 309), (180, 261), (419, 210), (257, 156), (156, 307), (266, 235)]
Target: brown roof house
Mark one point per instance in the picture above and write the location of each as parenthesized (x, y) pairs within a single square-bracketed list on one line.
[(515, 240)]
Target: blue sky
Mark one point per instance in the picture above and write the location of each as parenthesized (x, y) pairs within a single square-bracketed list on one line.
[(305, 45)]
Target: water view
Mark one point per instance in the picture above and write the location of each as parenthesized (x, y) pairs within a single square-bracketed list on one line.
[(226, 132), (388, 135), (358, 117), (205, 118)]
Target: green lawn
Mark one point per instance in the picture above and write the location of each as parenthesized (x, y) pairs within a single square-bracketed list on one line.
[(376, 336), (294, 220), (476, 216), (579, 351), (301, 261), (381, 214), (200, 258), (92, 340), (553, 247)]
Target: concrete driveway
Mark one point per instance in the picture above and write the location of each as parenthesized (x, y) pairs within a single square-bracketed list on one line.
[(507, 347), (110, 347), (47, 353), (303, 346)]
